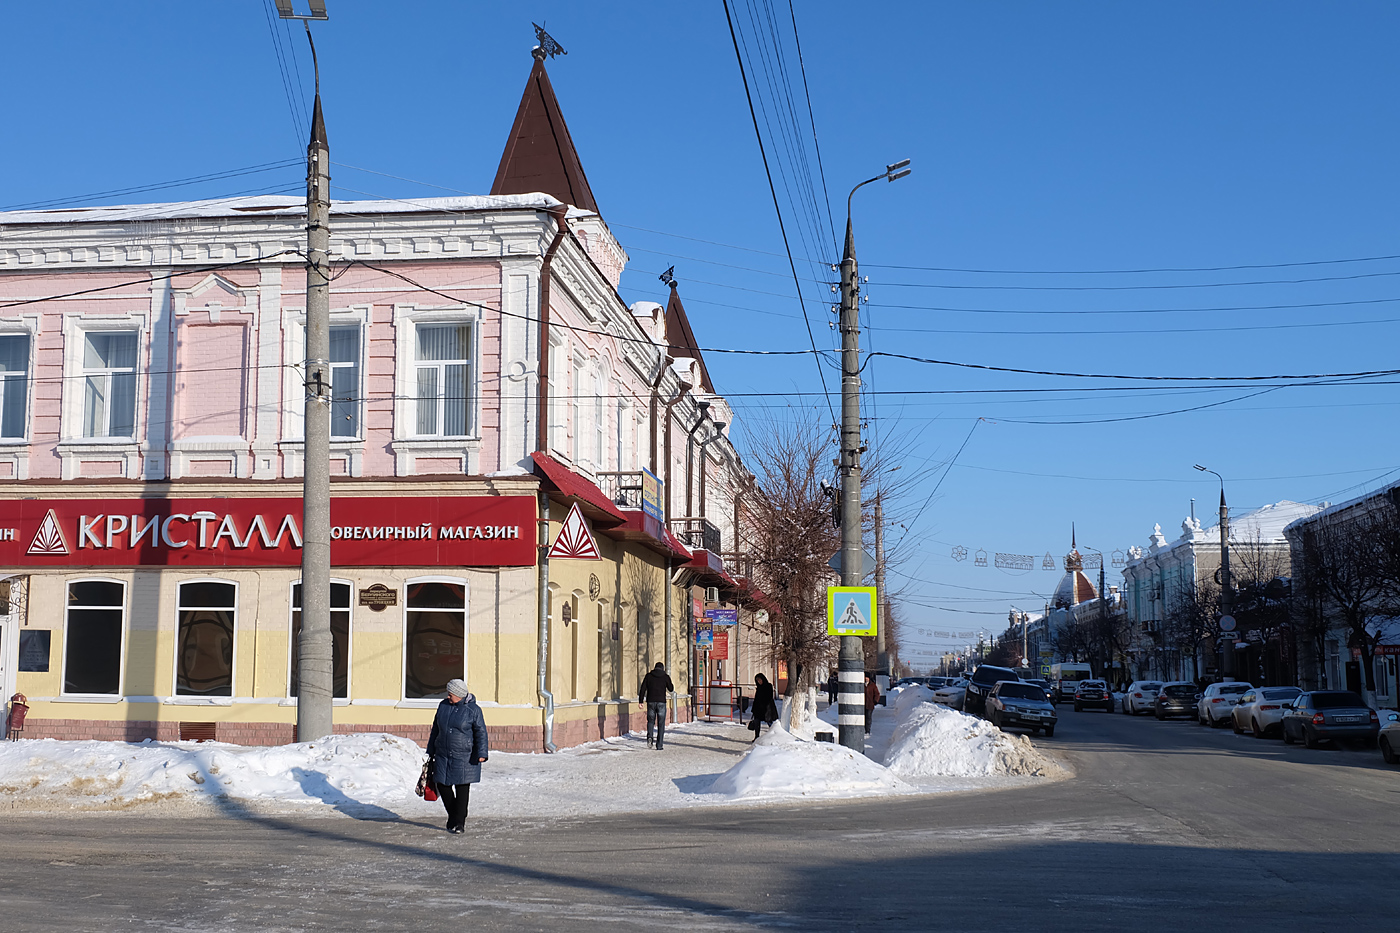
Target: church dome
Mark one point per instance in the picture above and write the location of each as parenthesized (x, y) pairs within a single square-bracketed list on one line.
[(1074, 587)]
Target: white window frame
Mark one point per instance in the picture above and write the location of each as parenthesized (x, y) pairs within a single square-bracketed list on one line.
[(559, 354), (577, 367), (126, 619), (293, 387), (600, 417), (431, 702), (406, 321), (75, 331), (175, 693), (19, 329), (349, 645)]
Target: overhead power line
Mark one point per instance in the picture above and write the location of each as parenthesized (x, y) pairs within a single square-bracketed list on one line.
[(781, 226)]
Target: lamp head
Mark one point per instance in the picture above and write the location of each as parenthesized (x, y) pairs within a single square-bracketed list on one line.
[(1199, 467)]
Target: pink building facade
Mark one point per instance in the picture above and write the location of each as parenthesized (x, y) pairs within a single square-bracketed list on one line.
[(487, 381)]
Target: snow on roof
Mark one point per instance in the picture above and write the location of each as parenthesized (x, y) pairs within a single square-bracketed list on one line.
[(1265, 524), (281, 205), (1330, 509)]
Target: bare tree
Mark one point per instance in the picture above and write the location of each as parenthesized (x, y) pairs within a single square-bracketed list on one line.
[(789, 537), (1344, 571)]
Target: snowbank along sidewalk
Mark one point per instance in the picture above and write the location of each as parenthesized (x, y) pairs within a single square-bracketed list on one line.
[(915, 747)]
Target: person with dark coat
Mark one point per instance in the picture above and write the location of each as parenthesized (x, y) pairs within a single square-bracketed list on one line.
[(764, 707), (456, 747), (872, 696), (656, 686), (832, 686)]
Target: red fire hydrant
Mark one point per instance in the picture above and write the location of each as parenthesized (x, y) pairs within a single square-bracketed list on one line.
[(14, 722)]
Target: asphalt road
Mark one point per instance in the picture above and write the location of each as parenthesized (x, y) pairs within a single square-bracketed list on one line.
[(1166, 826)]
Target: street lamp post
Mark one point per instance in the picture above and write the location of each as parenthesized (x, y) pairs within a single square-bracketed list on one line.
[(316, 644), (851, 665), (1227, 595)]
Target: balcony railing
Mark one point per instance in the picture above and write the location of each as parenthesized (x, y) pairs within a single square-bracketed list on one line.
[(738, 565), (697, 533), (623, 488)]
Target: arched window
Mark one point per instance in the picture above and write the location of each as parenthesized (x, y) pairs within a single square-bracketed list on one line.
[(92, 640), (340, 640), (208, 616), (435, 636)]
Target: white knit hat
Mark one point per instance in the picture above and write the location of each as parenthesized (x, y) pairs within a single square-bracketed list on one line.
[(457, 687)]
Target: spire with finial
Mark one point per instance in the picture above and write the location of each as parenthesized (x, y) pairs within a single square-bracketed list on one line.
[(539, 155)]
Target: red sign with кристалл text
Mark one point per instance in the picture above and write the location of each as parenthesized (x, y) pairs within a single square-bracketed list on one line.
[(407, 531)]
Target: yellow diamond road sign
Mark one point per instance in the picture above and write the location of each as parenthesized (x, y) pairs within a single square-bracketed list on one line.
[(850, 610)]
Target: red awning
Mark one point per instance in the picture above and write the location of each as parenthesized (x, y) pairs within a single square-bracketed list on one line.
[(647, 531), (568, 485), (708, 563)]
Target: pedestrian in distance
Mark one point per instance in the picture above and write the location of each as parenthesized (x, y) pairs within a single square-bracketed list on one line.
[(832, 685), (457, 745), (765, 709), (656, 685), (872, 696)]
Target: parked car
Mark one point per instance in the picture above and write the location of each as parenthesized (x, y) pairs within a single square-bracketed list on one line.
[(981, 683), (1023, 705), (1213, 705), (933, 683), (1329, 716), (1390, 738), (1261, 710), (1093, 694), (1044, 685), (1175, 699), (952, 693), (1140, 696)]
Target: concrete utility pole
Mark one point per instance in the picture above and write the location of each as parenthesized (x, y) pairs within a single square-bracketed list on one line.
[(882, 657), (850, 718), (315, 648)]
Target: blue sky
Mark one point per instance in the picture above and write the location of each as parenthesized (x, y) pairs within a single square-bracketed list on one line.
[(1066, 140)]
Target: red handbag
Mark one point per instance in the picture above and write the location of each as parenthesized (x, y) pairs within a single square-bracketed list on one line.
[(425, 787)]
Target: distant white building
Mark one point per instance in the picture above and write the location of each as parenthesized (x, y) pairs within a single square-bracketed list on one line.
[(1159, 579)]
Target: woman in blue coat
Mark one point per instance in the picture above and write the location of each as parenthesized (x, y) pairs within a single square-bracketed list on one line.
[(457, 746)]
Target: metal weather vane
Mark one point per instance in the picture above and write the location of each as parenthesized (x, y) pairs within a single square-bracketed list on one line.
[(550, 47)]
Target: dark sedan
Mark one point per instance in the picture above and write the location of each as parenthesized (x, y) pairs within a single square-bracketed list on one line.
[(1022, 705), (1329, 716), (1176, 699), (1091, 694)]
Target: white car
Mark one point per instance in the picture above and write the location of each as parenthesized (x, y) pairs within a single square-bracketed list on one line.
[(953, 694), (1215, 704), (1140, 697), (1260, 710)]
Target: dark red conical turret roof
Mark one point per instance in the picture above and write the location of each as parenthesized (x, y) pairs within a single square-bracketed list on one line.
[(540, 154)]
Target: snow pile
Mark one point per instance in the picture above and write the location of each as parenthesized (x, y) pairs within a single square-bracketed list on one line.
[(341, 770), (783, 765), (934, 741)]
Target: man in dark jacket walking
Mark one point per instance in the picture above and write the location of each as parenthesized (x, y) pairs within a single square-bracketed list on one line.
[(656, 685)]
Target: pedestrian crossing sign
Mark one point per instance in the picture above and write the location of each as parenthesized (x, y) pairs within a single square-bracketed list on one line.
[(850, 610)]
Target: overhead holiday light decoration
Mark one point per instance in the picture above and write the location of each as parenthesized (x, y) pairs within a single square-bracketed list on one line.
[(959, 552), (980, 559), (1048, 563), (1118, 558), (1015, 561)]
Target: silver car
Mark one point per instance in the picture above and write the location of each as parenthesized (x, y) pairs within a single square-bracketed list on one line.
[(1022, 705), (952, 694), (1213, 707), (1141, 696), (1261, 710), (1390, 737)]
